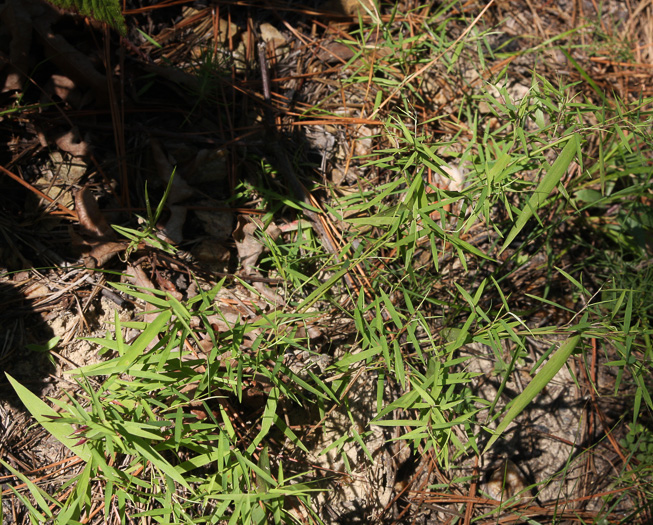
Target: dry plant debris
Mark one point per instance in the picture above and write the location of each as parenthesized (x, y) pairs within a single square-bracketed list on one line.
[(300, 262)]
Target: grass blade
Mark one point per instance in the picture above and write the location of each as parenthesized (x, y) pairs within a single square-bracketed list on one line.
[(546, 185), (541, 379), (47, 417)]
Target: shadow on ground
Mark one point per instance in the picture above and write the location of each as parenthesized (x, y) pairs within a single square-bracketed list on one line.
[(24, 335)]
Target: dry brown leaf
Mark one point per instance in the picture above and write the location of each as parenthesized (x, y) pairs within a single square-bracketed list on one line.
[(91, 219), (141, 280), (248, 246), (211, 251), (68, 175), (27, 18), (102, 253), (173, 230), (350, 7), (62, 86), (268, 293), (72, 62), (71, 142), (168, 286), (335, 52), (249, 249), (206, 345), (67, 90), (94, 253), (180, 190), (42, 140), (225, 321)]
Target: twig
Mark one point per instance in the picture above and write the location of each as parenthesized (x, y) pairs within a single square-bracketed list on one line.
[(31, 188)]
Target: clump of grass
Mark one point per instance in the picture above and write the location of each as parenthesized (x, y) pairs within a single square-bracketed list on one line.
[(157, 432)]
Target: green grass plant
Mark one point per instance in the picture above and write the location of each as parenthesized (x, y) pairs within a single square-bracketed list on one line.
[(559, 190)]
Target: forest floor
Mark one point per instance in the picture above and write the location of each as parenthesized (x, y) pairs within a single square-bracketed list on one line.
[(327, 262)]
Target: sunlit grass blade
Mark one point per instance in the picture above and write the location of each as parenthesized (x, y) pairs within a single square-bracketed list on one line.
[(537, 384), (38, 494), (133, 352), (545, 187), (47, 417)]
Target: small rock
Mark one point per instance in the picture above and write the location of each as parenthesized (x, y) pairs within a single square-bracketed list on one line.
[(350, 7), (209, 166), (226, 31), (35, 291), (508, 482), (363, 145), (269, 33), (337, 176)]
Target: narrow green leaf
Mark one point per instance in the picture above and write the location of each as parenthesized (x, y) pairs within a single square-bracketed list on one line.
[(573, 281), (321, 290), (38, 493), (377, 100), (586, 76), (541, 379), (628, 313), (294, 438), (149, 39), (47, 417), (499, 166), (544, 188), (267, 420), (400, 370), (145, 450), (104, 11), (150, 298), (134, 351)]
